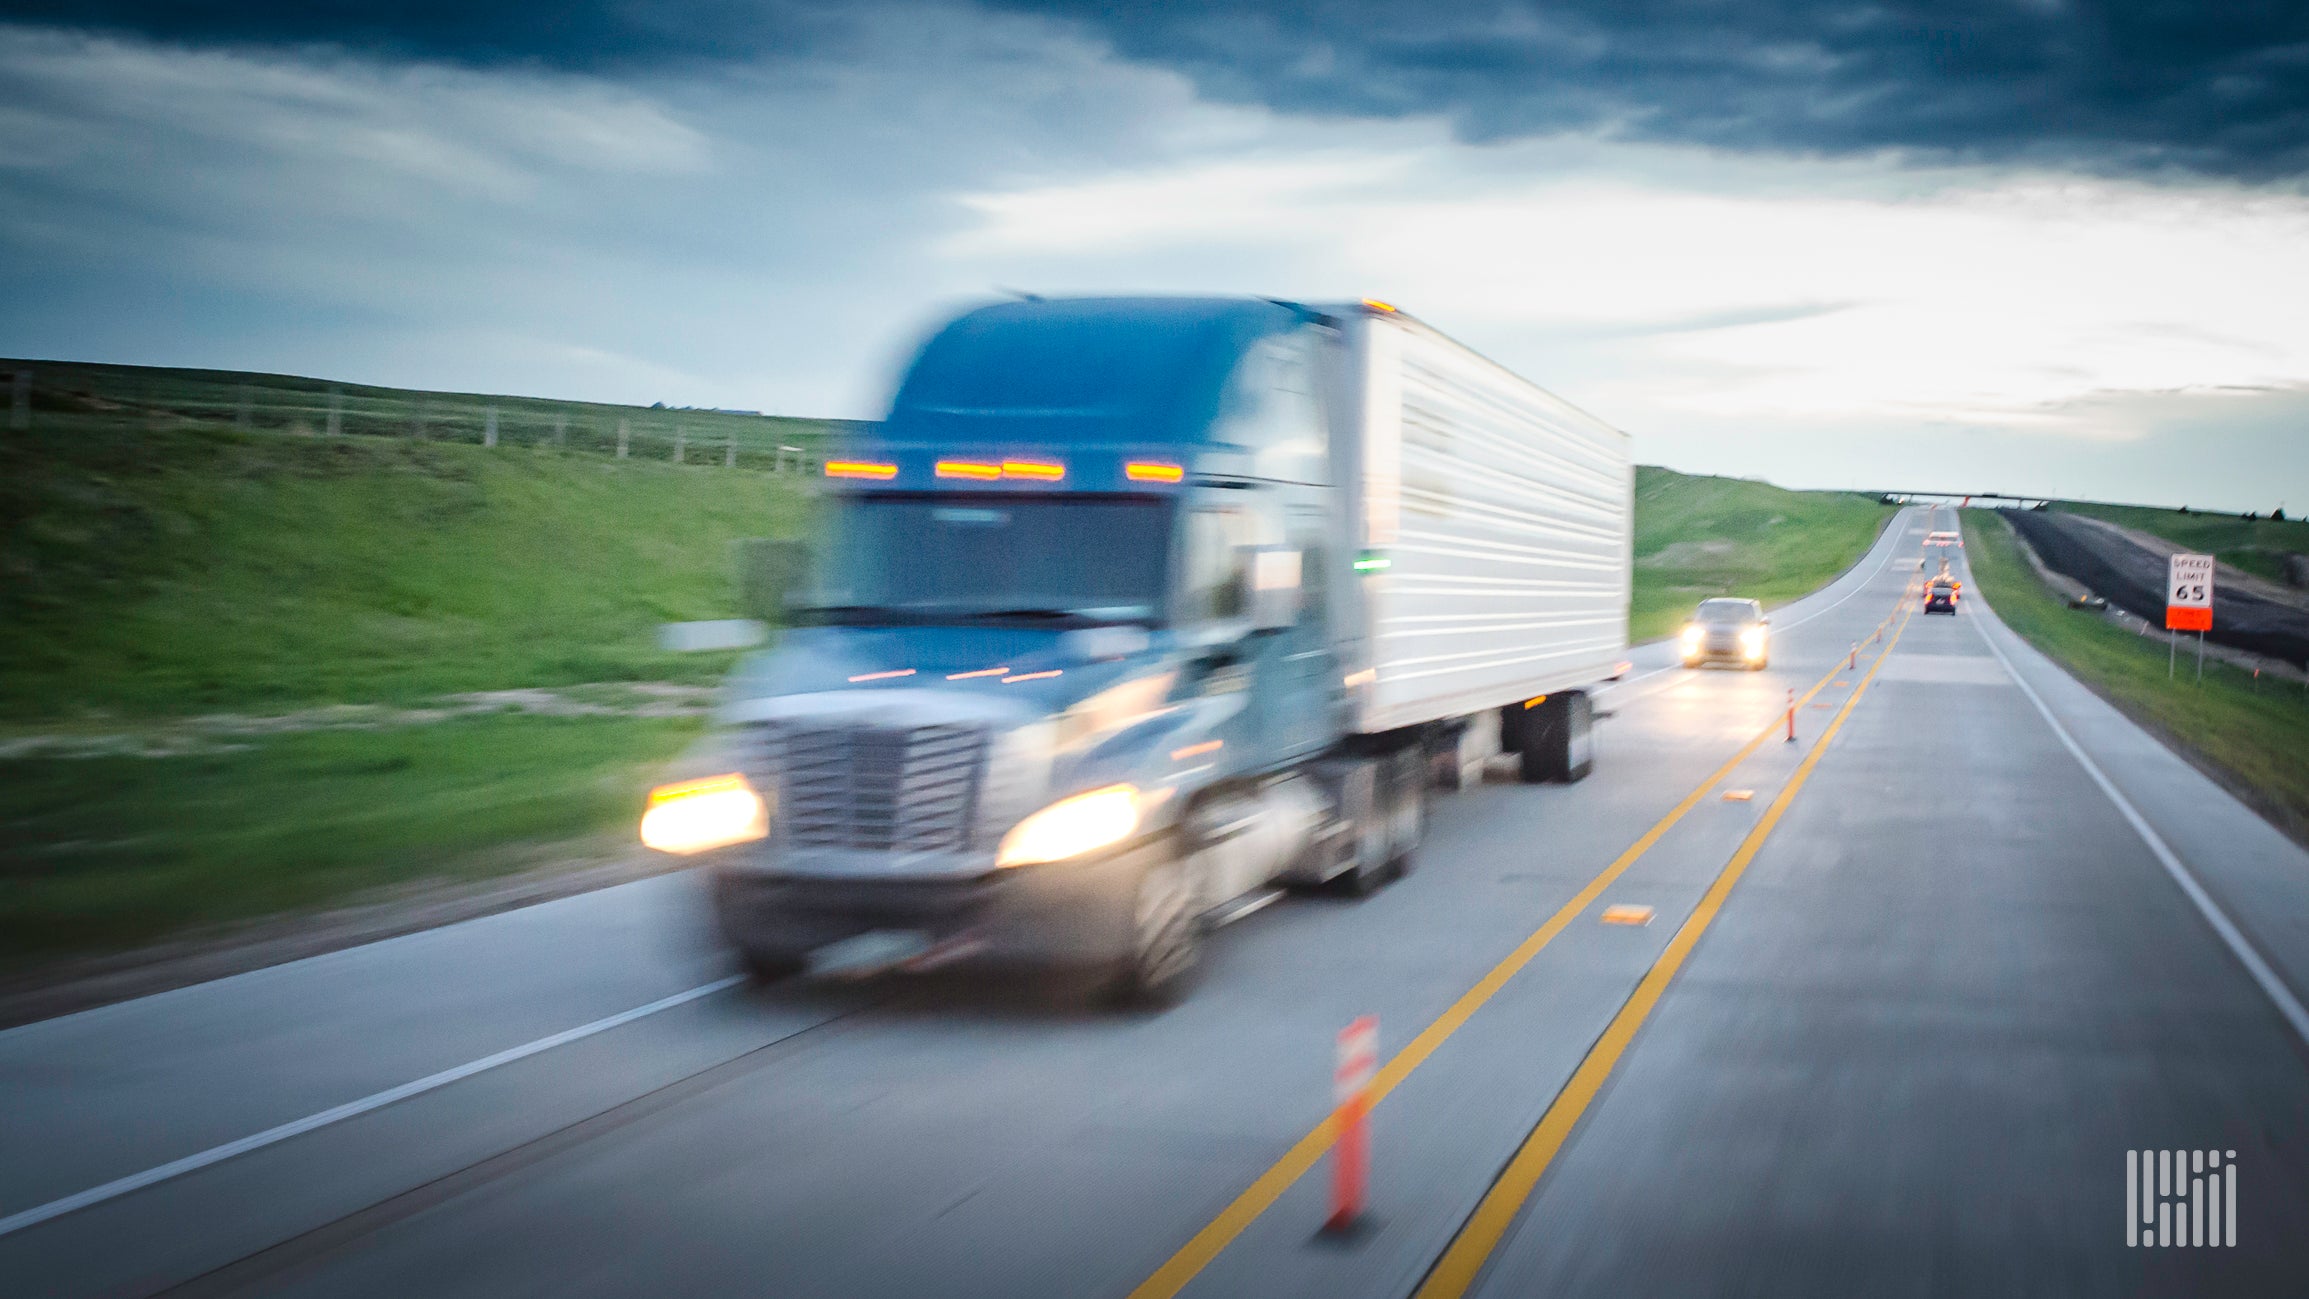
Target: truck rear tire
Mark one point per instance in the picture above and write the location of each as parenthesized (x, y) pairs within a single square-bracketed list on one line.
[(769, 967), (1407, 813), (1558, 740)]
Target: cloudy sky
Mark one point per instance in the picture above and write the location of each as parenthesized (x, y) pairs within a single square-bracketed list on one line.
[(2025, 245)]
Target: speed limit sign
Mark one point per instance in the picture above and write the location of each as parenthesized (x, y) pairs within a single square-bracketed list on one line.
[(2189, 593)]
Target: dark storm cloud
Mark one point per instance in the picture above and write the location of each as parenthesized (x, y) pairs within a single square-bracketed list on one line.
[(2219, 87)]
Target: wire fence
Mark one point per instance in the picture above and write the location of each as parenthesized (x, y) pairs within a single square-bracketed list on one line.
[(109, 399)]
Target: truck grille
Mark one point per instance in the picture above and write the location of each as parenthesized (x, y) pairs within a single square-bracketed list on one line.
[(903, 789)]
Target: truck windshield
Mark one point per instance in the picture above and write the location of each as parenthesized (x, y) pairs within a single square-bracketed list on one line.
[(1056, 560)]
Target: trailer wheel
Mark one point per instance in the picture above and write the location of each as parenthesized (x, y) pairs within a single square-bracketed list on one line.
[(1559, 740)]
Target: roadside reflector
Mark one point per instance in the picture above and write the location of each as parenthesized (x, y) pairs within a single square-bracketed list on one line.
[(1153, 471), (860, 469), (1038, 470), (1739, 795), (1358, 1063), (1627, 913)]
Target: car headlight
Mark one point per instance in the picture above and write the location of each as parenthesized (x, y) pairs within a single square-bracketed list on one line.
[(1752, 640), (1691, 637), (1072, 827), (696, 815)]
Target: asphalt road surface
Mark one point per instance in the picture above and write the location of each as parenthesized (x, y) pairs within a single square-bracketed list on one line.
[(1894, 1024)]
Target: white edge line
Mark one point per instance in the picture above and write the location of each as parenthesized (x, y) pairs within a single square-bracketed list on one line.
[(1881, 565), (2287, 1004), (118, 1187)]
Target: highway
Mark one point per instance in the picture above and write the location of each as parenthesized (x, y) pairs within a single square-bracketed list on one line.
[(1897, 1017)]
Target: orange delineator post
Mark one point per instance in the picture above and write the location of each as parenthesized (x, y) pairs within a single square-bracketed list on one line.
[(1351, 1148), (1791, 714)]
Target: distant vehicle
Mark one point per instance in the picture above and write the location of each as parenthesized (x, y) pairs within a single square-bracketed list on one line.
[(1728, 631), (1940, 594), (1955, 539), (1135, 609)]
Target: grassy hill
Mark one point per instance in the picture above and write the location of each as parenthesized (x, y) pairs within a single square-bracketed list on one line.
[(239, 656), (2257, 546), (1701, 536), (164, 560)]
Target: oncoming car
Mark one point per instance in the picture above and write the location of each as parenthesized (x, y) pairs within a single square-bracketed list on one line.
[(1940, 594), (1727, 631)]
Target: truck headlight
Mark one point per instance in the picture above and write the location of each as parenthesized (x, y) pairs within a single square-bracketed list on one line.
[(1072, 827), (1752, 641), (696, 815)]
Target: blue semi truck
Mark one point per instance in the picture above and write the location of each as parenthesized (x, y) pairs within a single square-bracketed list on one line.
[(1135, 611)]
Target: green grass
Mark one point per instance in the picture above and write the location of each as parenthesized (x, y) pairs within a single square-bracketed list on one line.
[(107, 853), (2253, 730), (200, 569), (2257, 546), (1700, 536), (159, 560)]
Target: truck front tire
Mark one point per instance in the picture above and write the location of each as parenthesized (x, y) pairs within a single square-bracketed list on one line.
[(1166, 938)]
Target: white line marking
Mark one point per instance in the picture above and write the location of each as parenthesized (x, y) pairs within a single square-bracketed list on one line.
[(2287, 1004), (118, 1187), (1862, 586)]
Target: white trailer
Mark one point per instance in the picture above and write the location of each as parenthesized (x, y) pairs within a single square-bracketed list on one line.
[(1494, 524)]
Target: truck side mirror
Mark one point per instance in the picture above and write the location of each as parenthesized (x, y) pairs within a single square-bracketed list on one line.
[(772, 574), (1274, 587)]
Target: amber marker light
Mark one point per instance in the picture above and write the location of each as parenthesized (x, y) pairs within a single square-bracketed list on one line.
[(696, 815), (1035, 676), (884, 676), (982, 672), (976, 470), (860, 469), (1384, 308), (1153, 471), (1037, 470)]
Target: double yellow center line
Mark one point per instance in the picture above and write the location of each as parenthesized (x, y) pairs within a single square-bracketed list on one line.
[(1463, 1260), (1206, 1245)]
